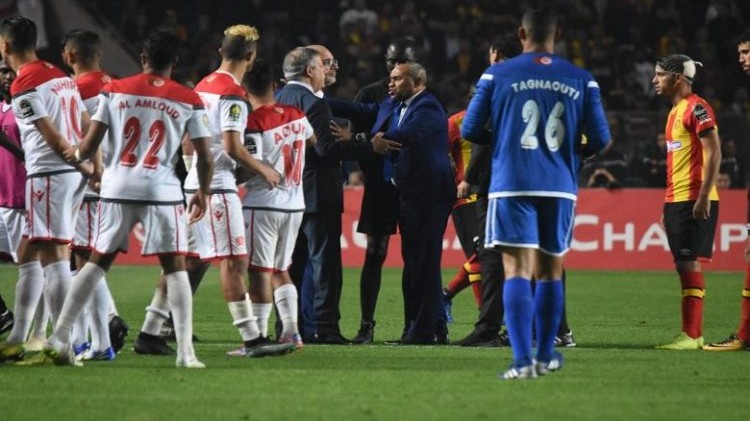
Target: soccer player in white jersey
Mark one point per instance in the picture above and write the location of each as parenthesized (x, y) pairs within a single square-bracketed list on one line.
[(145, 117), (277, 135), (221, 233), (49, 112), (82, 53)]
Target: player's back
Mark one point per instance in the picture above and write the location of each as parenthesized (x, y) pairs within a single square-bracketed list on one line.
[(277, 134), (43, 90), (90, 85), (147, 117), (227, 109), (539, 105)]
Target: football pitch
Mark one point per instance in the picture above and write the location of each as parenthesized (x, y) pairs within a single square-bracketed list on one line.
[(613, 374)]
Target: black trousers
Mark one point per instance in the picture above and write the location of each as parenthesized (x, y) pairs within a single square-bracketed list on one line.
[(422, 227), (493, 274)]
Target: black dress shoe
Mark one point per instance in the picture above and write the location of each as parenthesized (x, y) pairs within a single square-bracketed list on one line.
[(480, 339), (333, 338), (365, 334), (419, 340)]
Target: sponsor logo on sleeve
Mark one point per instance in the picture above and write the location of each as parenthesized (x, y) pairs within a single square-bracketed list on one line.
[(25, 108), (234, 113), (250, 145)]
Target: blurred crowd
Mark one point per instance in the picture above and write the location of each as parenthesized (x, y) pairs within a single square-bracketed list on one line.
[(617, 40)]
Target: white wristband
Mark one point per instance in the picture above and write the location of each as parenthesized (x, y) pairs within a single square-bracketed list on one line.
[(188, 160), (77, 155)]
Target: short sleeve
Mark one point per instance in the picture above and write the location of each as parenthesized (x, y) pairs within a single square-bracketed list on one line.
[(102, 114), (29, 107), (233, 114), (197, 125), (702, 118)]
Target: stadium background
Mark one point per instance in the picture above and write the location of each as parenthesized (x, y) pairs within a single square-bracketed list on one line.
[(618, 41)]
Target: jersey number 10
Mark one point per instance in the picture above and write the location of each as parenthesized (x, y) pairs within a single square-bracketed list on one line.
[(293, 162)]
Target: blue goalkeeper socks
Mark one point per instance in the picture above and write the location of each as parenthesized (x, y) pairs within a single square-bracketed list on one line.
[(519, 310), (548, 304)]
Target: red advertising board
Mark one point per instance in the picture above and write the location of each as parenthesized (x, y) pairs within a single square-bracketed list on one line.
[(614, 230)]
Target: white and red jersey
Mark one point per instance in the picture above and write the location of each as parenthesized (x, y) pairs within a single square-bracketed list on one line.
[(90, 85), (276, 135), (227, 109), (148, 116), (42, 90)]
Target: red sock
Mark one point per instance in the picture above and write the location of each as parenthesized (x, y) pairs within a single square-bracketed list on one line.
[(474, 270), (744, 331), (692, 303), (459, 282)]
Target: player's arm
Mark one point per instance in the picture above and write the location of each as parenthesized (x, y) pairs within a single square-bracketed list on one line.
[(234, 148), (11, 146), (89, 145), (56, 141), (712, 152), (311, 141), (473, 126), (598, 138), (204, 164)]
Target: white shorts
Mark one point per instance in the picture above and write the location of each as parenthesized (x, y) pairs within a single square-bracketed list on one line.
[(272, 237), (164, 227), (221, 231), (12, 222), (52, 202), (86, 225)]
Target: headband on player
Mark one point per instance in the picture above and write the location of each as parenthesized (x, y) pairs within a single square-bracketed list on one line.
[(680, 64)]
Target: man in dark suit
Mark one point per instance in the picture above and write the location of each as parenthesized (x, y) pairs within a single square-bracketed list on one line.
[(411, 128), (379, 210), (323, 186)]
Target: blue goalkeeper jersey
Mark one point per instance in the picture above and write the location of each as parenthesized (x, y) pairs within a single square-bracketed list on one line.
[(539, 106)]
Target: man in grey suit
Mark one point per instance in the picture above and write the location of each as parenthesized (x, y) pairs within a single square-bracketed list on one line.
[(323, 186)]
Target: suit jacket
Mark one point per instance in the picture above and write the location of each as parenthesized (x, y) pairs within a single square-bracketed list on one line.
[(423, 171), (321, 176)]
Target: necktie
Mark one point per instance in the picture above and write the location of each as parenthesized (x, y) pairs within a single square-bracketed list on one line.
[(389, 161)]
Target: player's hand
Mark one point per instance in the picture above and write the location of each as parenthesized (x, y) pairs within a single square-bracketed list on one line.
[(382, 145), (70, 156), (342, 134), (702, 208), (95, 181), (85, 168), (271, 176), (197, 207), (463, 190)]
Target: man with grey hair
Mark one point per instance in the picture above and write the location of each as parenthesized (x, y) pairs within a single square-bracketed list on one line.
[(411, 129), (329, 62), (319, 239)]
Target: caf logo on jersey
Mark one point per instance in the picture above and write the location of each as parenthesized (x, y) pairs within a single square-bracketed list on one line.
[(25, 108), (234, 113)]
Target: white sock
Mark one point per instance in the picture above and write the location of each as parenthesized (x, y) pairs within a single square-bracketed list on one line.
[(28, 292), (156, 314), (262, 311), (285, 298), (80, 293), (41, 319), (57, 280), (180, 298), (79, 335), (112, 308), (98, 311), (243, 319)]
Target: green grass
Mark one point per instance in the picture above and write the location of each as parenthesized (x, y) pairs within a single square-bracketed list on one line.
[(614, 374)]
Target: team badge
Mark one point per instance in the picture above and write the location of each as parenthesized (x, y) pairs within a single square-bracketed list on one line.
[(158, 82), (234, 113), (25, 109)]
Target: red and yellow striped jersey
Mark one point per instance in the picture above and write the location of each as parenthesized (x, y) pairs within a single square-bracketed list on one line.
[(685, 156), (460, 150)]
